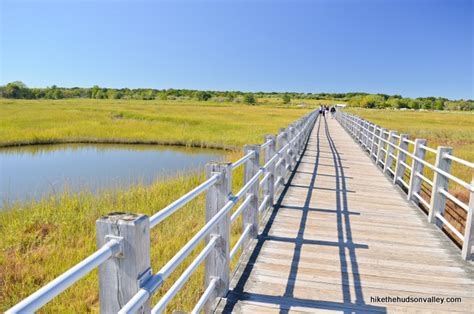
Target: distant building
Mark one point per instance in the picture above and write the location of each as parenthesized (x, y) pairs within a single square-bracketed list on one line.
[(340, 105)]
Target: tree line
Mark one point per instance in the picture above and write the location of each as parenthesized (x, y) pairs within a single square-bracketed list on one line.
[(381, 101), (18, 90)]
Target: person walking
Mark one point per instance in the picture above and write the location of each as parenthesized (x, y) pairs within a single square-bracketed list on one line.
[(333, 112)]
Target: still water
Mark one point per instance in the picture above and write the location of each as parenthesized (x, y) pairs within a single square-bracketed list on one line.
[(30, 172)]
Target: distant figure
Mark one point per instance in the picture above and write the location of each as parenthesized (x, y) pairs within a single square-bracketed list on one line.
[(322, 111), (333, 112)]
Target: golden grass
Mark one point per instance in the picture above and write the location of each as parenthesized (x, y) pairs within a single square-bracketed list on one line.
[(192, 123), (42, 239)]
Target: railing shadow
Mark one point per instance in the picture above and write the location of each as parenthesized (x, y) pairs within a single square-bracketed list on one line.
[(345, 245)]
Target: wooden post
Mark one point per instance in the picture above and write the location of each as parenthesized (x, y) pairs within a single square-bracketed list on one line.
[(292, 146), (469, 230), (217, 262), (372, 137), (375, 142), (359, 129), (286, 158), (390, 151), (401, 157), (250, 214), (416, 167), (268, 153), (363, 138), (367, 135), (438, 200), (380, 152), (121, 277)]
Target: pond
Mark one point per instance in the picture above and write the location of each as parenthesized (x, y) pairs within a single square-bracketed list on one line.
[(31, 172)]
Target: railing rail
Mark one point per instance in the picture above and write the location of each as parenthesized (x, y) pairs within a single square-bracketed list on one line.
[(391, 153), (126, 281)]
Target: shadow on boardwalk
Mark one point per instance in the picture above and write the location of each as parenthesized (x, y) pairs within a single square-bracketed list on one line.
[(347, 249)]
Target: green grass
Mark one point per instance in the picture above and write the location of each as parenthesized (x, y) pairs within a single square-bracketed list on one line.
[(42, 239)]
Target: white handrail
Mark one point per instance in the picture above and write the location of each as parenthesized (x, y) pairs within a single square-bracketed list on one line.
[(160, 306), (183, 200)]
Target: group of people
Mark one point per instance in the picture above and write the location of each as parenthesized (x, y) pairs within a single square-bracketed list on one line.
[(324, 110)]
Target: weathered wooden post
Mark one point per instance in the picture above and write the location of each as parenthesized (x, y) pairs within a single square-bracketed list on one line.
[(268, 186), (390, 151), (380, 152), (359, 129), (217, 262), (416, 167), (250, 214), (375, 142), (401, 159), (438, 200), (366, 135), (284, 154), (372, 137), (120, 277), (469, 230), (292, 146)]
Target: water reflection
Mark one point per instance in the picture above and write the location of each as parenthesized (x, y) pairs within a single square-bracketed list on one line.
[(34, 171)]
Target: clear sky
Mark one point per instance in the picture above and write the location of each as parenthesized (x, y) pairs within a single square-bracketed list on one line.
[(413, 48)]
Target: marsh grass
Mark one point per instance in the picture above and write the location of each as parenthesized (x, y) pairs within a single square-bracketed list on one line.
[(41, 239), (190, 123), (44, 238)]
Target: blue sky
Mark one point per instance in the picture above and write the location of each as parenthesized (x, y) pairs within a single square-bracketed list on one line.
[(413, 48)]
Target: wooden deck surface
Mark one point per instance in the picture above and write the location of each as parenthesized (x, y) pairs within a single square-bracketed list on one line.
[(341, 235)]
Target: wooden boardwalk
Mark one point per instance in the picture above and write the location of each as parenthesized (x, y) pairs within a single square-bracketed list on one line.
[(342, 235)]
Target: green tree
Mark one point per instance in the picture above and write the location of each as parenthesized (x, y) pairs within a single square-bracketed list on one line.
[(203, 96), (286, 99), (249, 99), (15, 89)]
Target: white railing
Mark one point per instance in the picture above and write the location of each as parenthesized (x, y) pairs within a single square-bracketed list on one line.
[(390, 150), (126, 281)]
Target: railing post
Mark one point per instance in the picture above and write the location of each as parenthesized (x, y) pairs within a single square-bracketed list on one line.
[(286, 157), (469, 230), (268, 153), (218, 260), (390, 151), (416, 167), (375, 142), (250, 214), (121, 277), (401, 157), (292, 133), (372, 137), (366, 135), (438, 200), (359, 129), (380, 152)]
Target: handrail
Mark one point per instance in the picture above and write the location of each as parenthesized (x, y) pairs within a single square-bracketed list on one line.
[(360, 128), (239, 242), (160, 306), (242, 160), (459, 160), (183, 200)]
